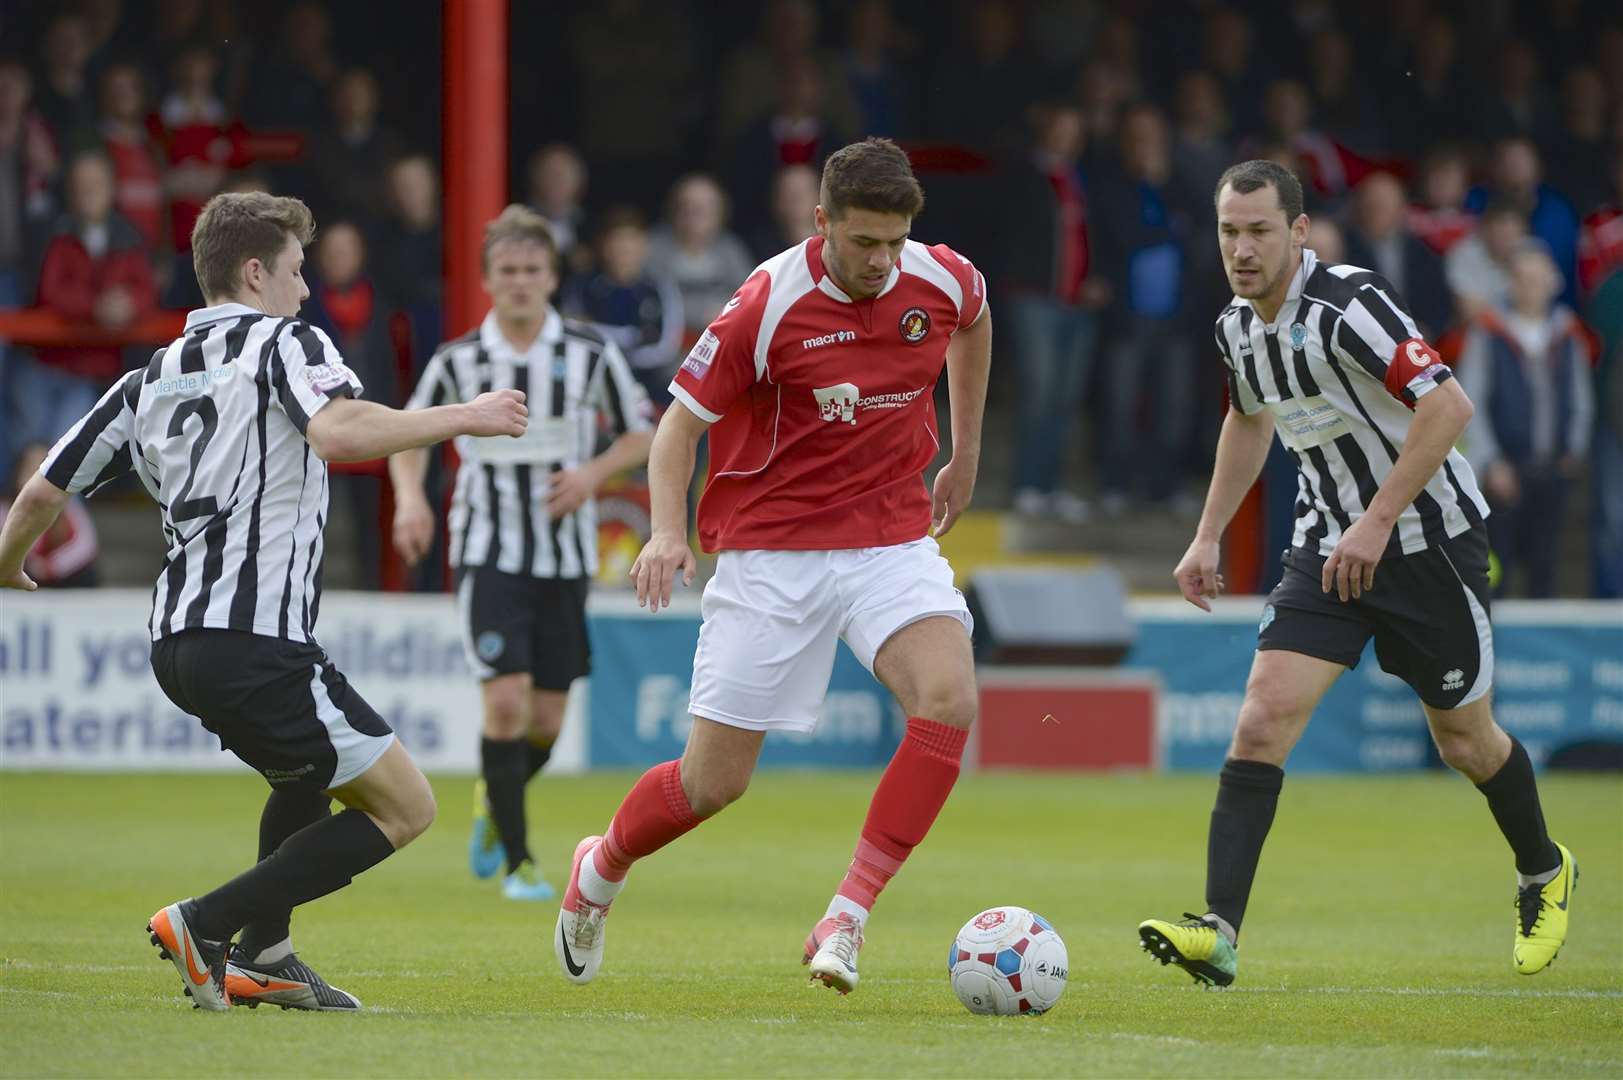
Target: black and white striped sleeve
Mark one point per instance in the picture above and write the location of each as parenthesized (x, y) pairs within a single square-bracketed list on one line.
[(1242, 394), (436, 386), (617, 394), (309, 372), (1377, 335), (97, 448)]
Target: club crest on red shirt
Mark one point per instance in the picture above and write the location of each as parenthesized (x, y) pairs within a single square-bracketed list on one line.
[(915, 325)]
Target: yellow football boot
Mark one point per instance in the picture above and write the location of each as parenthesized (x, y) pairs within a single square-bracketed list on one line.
[(1541, 917)]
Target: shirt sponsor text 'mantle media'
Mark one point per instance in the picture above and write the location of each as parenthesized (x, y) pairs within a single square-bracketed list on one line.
[(1341, 368), (822, 407), (213, 427)]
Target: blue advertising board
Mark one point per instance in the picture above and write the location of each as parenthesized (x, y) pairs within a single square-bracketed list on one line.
[(1558, 680), (642, 666)]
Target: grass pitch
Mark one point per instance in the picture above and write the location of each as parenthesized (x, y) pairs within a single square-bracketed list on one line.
[(1378, 941)]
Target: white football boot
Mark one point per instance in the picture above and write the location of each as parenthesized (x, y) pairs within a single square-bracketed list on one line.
[(578, 941), (831, 952), (201, 963)]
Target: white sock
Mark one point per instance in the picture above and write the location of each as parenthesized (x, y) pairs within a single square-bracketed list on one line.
[(275, 954), (1524, 880), (846, 905), (1222, 926), (596, 888)]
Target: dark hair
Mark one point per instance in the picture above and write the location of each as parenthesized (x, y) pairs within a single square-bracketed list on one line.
[(237, 226), (1249, 176), (621, 217), (873, 174)]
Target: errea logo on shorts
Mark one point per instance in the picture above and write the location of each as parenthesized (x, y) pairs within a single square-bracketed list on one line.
[(841, 401), (1453, 679)]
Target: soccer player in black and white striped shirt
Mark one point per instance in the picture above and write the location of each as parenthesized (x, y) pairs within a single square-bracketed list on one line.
[(523, 524), (230, 428), (1328, 357)]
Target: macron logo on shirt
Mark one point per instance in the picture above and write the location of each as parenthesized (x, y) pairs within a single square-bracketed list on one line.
[(838, 337)]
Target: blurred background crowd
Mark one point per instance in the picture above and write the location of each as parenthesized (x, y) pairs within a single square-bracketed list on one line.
[(1471, 152)]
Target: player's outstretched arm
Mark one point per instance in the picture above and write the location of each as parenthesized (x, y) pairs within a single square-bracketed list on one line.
[(670, 470), (349, 429), (34, 511), (1241, 450), (969, 366), (1440, 418)]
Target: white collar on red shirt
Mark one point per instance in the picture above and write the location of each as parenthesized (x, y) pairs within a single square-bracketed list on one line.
[(825, 280), (496, 343)]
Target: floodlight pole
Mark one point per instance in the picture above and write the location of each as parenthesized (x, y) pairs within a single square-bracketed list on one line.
[(475, 147)]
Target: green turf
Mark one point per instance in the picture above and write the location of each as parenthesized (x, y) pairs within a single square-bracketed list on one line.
[(1378, 941)]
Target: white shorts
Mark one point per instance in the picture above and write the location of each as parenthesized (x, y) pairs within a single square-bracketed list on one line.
[(772, 620)]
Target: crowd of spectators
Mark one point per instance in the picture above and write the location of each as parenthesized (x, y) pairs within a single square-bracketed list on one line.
[(1472, 153)]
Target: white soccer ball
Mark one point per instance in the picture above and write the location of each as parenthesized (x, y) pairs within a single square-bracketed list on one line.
[(1007, 961)]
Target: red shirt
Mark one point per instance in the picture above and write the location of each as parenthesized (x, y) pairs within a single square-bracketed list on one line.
[(1600, 247), (823, 407)]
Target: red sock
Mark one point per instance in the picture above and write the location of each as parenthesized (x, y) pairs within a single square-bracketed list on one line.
[(654, 813), (910, 795)]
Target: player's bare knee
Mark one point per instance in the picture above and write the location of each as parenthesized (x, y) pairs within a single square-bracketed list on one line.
[(506, 715), (952, 704), (414, 815), (1265, 730), (714, 793)]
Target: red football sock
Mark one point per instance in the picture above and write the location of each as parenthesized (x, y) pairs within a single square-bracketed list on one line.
[(910, 795), (654, 813)]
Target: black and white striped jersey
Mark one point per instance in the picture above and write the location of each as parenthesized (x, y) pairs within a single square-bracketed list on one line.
[(1341, 367), (214, 429), (573, 379)]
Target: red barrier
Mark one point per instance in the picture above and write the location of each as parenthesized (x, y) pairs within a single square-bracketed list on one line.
[(1067, 718)]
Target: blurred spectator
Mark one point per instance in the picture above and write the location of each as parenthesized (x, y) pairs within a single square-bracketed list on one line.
[(350, 152), (410, 248), (1600, 244), (630, 55), (1526, 369), (1605, 314), (1116, 46), (139, 184), (794, 132), (1580, 150), (873, 73), (345, 303), (1226, 52), (102, 19), (1053, 298), (1515, 104), (1102, 91), (66, 98), (1430, 102), (697, 252), (634, 307), (1325, 239), (984, 79), (1379, 239), (290, 88), (557, 176), (1330, 167), (1478, 268), (1440, 218), (1201, 149), (1141, 237), (788, 37), (96, 269), (1341, 97), (1517, 179), (65, 557), (193, 123), (28, 168), (795, 191)]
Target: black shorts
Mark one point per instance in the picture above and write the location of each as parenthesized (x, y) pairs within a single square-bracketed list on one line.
[(278, 705), (1428, 613), (518, 624)]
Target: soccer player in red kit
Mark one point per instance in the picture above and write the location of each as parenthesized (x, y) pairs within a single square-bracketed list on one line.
[(816, 383)]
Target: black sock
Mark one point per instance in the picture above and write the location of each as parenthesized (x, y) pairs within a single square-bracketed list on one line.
[(287, 810), (505, 764), (311, 863), (1247, 792), (537, 758), (1513, 797)]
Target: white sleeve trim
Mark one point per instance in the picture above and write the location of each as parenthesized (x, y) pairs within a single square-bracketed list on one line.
[(680, 393)]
